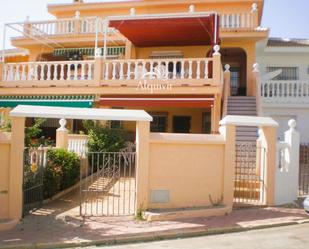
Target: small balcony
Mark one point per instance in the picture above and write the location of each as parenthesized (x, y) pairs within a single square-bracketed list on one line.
[(285, 93)]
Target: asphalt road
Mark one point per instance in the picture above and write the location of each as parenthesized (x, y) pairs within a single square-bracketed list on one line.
[(288, 237)]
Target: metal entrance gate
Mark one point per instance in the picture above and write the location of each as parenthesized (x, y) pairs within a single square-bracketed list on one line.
[(303, 170), (34, 161), (249, 184), (108, 187)]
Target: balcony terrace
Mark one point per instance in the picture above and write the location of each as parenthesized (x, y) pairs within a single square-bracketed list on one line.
[(100, 72), (85, 29)]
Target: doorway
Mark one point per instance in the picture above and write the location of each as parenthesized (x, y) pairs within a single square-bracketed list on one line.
[(181, 124), (237, 59)]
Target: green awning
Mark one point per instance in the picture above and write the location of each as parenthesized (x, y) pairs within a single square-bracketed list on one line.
[(81, 101), (88, 51)]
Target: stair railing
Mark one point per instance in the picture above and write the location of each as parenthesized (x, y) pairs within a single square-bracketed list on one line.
[(257, 81), (226, 89)]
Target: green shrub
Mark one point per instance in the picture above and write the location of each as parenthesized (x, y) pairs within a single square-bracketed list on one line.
[(61, 172), (102, 138), (33, 132)]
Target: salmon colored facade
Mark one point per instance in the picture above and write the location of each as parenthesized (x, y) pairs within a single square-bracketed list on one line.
[(177, 39)]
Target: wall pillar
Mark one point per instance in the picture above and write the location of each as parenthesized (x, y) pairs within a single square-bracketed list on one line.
[(16, 168), (289, 170), (268, 138), (229, 132), (142, 164), (62, 135)]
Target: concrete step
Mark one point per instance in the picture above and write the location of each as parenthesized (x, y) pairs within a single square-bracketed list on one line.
[(246, 128), (242, 113), (241, 97)]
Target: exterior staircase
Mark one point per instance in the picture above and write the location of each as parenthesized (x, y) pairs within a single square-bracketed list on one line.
[(244, 106), (247, 184)]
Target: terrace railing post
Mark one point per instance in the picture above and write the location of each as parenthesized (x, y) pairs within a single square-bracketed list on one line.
[(98, 70), (216, 68), (226, 88), (254, 16)]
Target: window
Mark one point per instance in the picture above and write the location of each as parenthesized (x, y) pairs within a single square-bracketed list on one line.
[(206, 128), (288, 73), (159, 123)]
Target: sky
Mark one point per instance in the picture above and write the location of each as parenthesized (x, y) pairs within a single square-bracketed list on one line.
[(285, 18)]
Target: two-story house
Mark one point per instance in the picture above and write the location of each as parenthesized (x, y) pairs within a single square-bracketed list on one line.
[(165, 56)]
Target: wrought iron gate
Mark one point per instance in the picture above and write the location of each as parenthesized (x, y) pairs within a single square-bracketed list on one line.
[(303, 170), (108, 187), (34, 161), (249, 184)]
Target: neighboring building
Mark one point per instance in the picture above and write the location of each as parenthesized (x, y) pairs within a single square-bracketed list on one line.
[(171, 42), (284, 65)]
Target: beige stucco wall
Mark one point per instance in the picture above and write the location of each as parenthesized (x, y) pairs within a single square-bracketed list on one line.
[(5, 146), (190, 167)]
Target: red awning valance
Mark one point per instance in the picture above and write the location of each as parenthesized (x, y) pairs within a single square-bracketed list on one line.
[(172, 30), (157, 101)]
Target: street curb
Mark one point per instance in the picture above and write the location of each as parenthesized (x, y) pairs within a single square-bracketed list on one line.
[(151, 236)]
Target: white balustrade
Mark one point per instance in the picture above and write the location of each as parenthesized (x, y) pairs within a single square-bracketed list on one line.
[(83, 25), (197, 68), (48, 71), (78, 144), (233, 20), (284, 91)]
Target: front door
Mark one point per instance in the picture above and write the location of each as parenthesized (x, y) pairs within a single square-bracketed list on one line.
[(235, 81), (181, 124)]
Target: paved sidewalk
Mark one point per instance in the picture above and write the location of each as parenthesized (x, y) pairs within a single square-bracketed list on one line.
[(55, 226)]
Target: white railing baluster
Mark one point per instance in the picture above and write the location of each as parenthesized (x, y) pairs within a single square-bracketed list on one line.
[(174, 69), (82, 71), (128, 70), (190, 69), (61, 71), (48, 71), (121, 71), (135, 70), (114, 71), (90, 66), (106, 70), (206, 70), (198, 69), (182, 72)]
